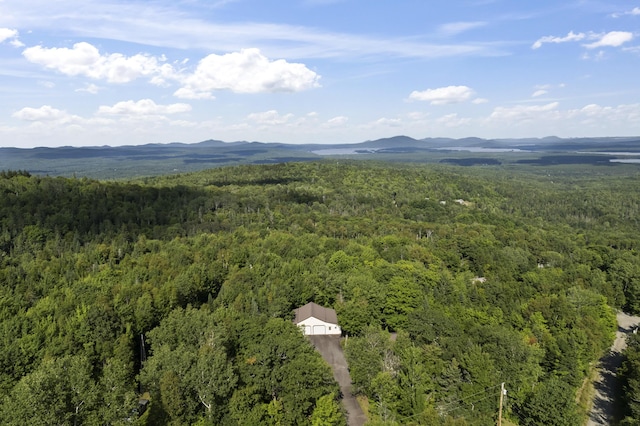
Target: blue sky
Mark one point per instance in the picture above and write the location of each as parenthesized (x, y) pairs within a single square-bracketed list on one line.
[(315, 71)]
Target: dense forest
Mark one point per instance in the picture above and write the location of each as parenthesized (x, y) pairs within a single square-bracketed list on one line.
[(179, 290)]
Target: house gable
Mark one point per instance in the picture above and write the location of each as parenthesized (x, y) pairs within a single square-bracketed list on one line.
[(314, 319)]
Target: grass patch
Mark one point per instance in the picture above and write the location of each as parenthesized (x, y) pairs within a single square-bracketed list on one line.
[(586, 393), (363, 402)]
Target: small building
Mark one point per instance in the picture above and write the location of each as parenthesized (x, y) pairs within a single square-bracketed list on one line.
[(315, 320)]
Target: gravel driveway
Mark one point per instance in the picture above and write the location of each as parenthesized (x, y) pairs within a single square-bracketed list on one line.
[(331, 351), (606, 385)]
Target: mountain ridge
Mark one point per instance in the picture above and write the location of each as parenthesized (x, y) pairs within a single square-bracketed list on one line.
[(179, 157)]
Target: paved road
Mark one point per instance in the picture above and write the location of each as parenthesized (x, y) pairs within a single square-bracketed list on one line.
[(331, 351), (607, 384)]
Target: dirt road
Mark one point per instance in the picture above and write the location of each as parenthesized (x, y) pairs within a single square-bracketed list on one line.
[(606, 385), (331, 351)]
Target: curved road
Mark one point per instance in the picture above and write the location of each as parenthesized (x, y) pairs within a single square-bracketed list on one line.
[(606, 384)]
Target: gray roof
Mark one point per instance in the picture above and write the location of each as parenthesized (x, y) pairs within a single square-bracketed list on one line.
[(314, 310)]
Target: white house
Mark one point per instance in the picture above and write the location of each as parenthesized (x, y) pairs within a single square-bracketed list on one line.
[(315, 320)]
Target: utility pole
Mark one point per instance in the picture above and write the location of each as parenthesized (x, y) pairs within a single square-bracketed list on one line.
[(502, 392)]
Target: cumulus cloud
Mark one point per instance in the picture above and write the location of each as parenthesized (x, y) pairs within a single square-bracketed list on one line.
[(270, 118), (443, 95), (86, 60), (539, 92), (553, 39), (7, 34), (337, 121), (247, 71), (593, 110), (143, 107), (595, 114), (550, 118), (611, 39), (44, 113)]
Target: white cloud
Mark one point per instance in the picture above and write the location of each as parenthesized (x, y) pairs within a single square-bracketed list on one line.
[(544, 86), (85, 59), (594, 114), (593, 110), (89, 88), (44, 113), (452, 120), (247, 71), (7, 34), (545, 119), (635, 11), (521, 113), (611, 39), (104, 126), (479, 101), (543, 89), (552, 39), (337, 121), (143, 107), (454, 28), (188, 93), (388, 122), (270, 118), (443, 95)]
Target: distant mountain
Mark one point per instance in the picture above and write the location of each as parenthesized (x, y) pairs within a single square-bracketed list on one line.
[(392, 142), (153, 159)]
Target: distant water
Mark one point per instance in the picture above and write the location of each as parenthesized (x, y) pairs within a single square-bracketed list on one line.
[(344, 151), (633, 154), (626, 160), (480, 149), (357, 151)]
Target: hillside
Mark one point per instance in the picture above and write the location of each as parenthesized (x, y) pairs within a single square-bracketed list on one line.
[(124, 162), (181, 288)]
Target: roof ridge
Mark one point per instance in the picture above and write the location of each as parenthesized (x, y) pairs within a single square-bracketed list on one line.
[(312, 309)]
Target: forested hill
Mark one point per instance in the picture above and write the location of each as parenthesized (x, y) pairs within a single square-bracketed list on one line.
[(181, 288), (125, 162)]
